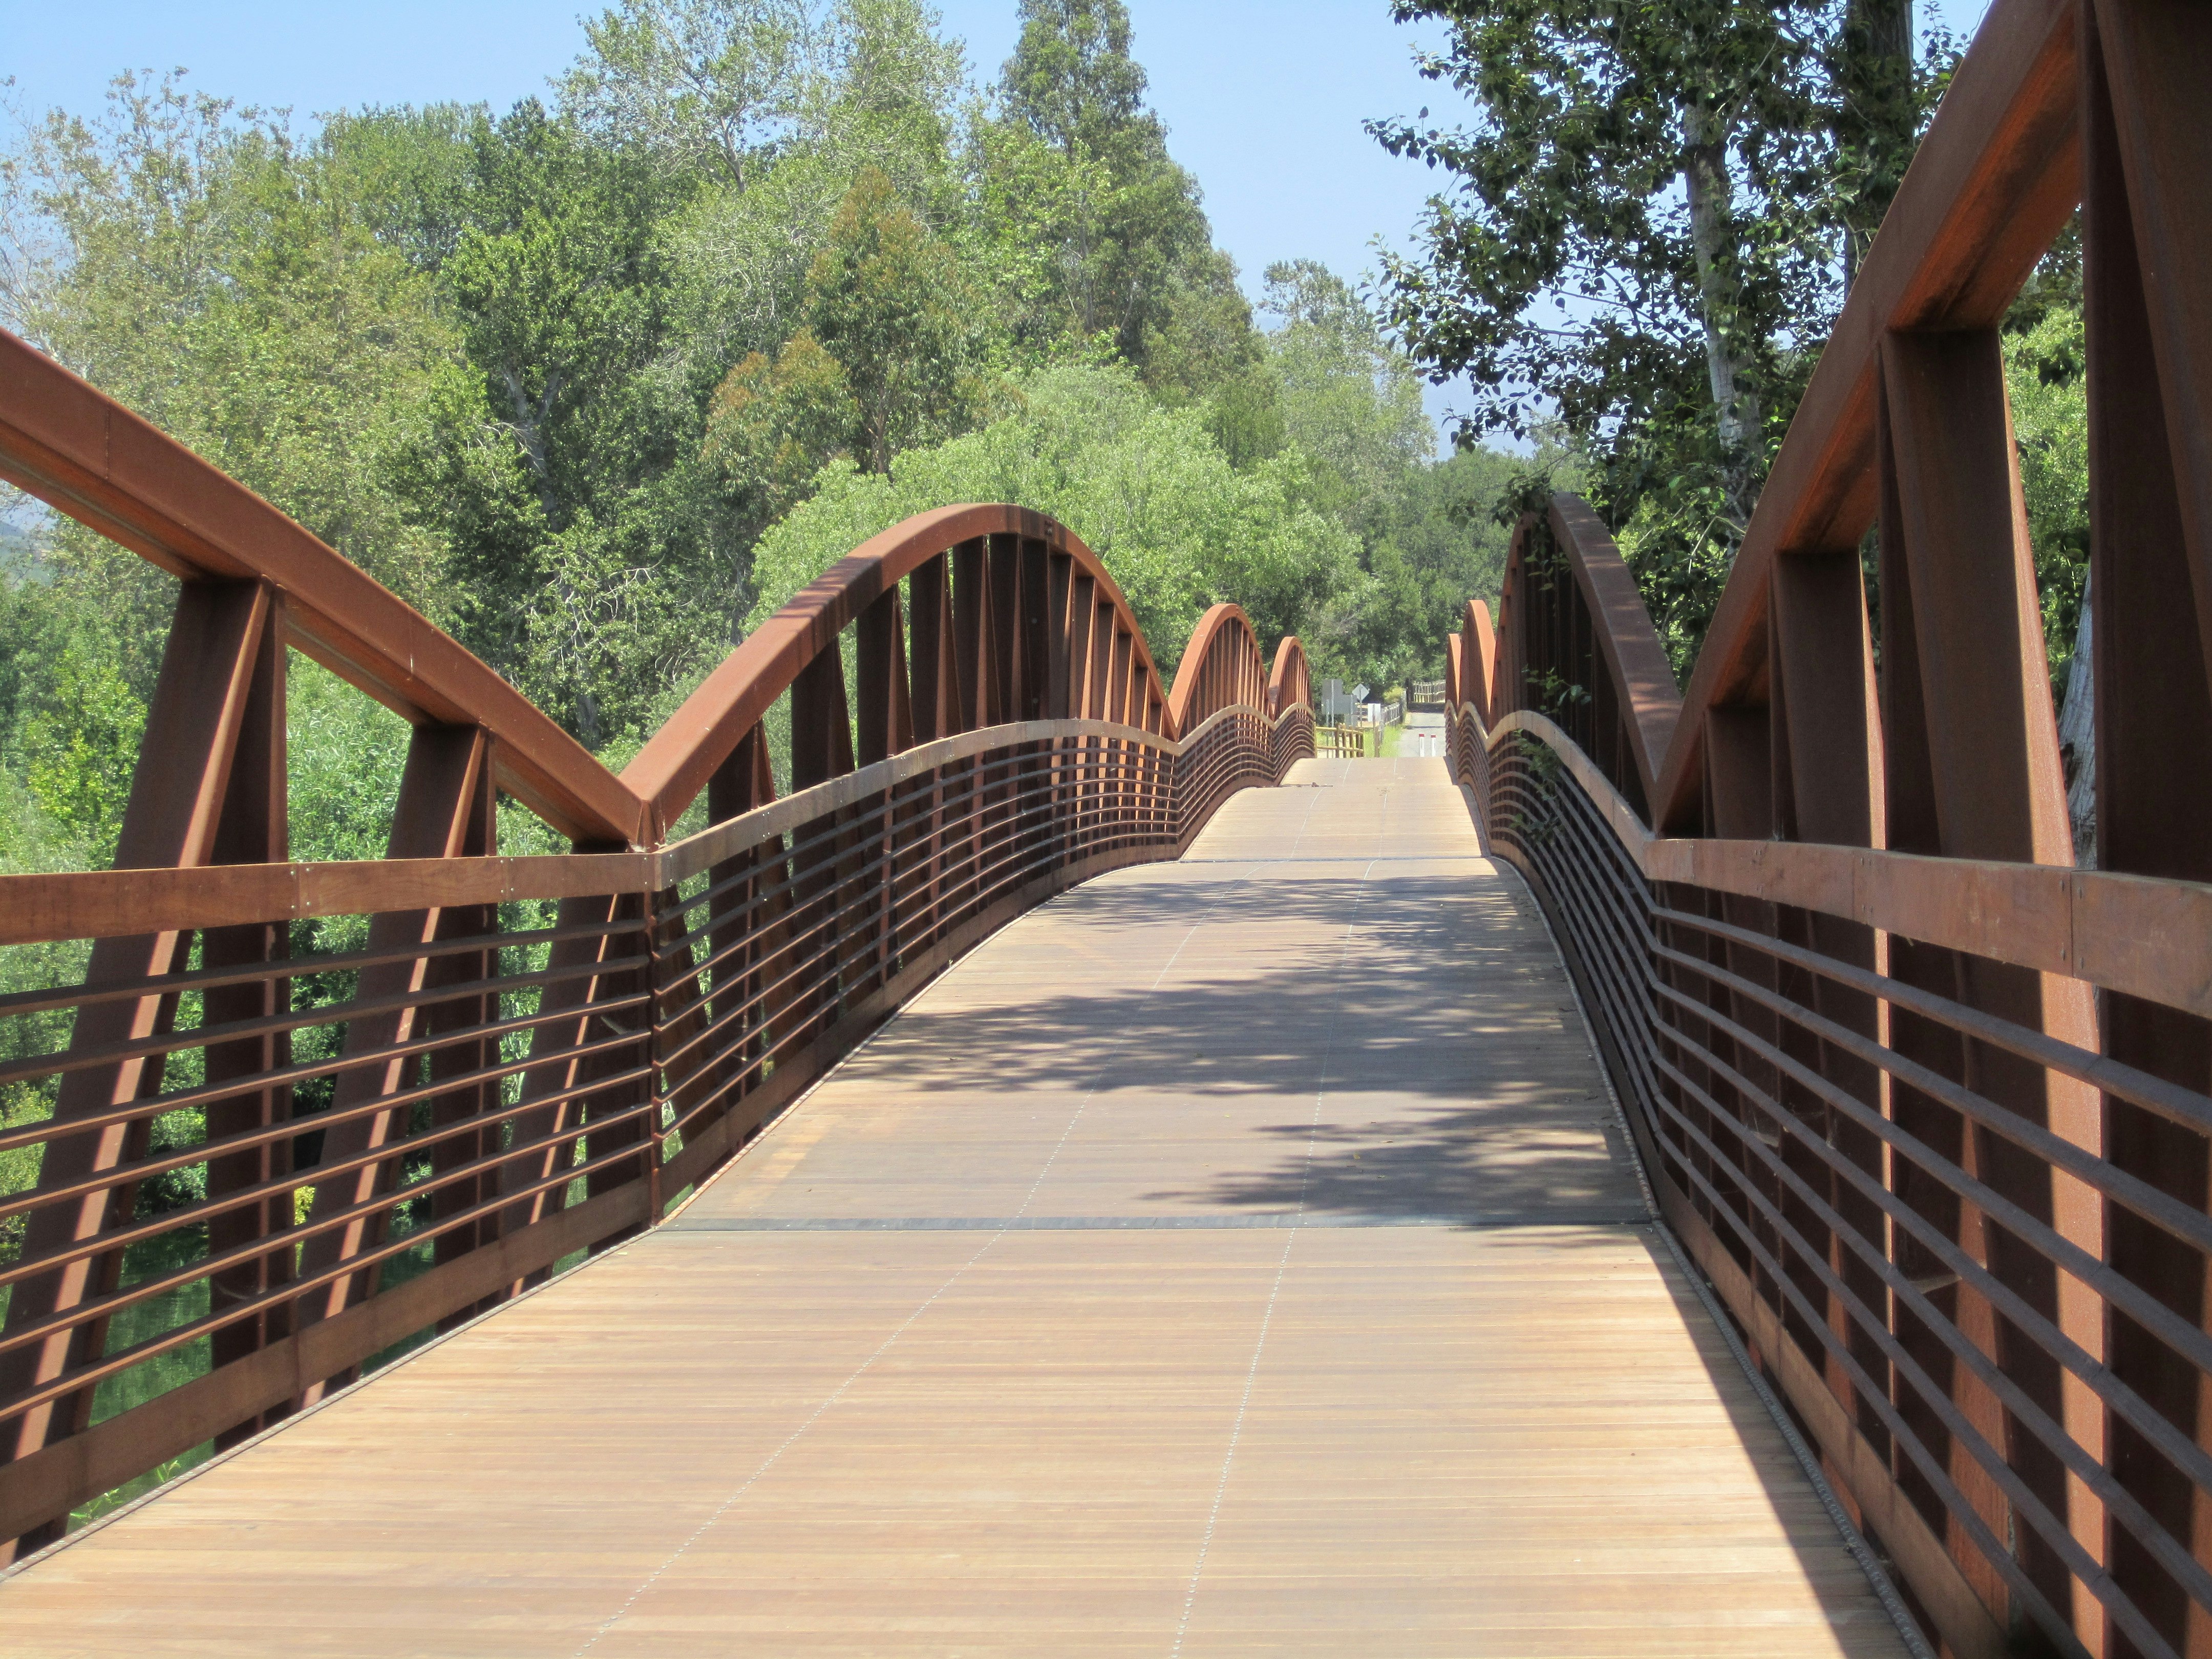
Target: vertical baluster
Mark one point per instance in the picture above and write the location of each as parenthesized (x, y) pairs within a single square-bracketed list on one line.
[(1082, 699), (1061, 672), (820, 749), (1972, 750), (253, 829), (178, 797), (936, 703), (971, 614), (885, 727), (2147, 258), (1033, 799)]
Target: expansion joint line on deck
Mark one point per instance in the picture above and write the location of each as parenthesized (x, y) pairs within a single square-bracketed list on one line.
[(1257, 1220), (1282, 1267), (934, 1297)]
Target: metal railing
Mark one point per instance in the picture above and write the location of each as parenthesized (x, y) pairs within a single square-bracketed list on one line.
[(263, 1122), (1927, 1103)]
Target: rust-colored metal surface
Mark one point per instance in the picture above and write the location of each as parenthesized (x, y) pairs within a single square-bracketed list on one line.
[(1134, 1290), (526, 1058), (88, 457), (1930, 1103)]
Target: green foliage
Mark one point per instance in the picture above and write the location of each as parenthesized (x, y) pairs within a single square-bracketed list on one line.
[(1351, 404), (224, 279), (1349, 401), (72, 689), (1144, 485), (81, 744), (551, 374), (889, 353), (2046, 376), (558, 458), (1072, 81), (345, 753), (1117, 245), (699, 83), (1652, 217)]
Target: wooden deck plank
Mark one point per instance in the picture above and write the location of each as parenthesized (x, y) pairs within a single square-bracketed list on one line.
[(1233, 1256)]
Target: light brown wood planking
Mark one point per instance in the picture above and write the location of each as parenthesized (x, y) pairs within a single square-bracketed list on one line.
[(1231, 1256)]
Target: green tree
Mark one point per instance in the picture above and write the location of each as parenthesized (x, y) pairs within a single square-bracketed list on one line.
[(889, 353), (891, 303), (228, 281), (200, 264), (879, 92), (559, 459), (80, 744), (2046, 374), (1878, 107), (705, 83), (1646, 241), (1143, 484), (1073, 81), (1082, 167), (1350, 400)]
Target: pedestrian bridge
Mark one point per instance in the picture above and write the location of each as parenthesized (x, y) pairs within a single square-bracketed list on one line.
[(1185, 1270), (980, 1149)]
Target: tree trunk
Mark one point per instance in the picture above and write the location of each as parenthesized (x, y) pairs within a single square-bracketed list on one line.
[(2077, 741), (1880, 115), (1727, 362)]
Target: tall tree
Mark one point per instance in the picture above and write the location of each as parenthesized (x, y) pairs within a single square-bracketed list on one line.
[(709, 82), (224, 278), (1878, 105), (558, 459), (1349, 399), (1651, 219), (890, 352), (1082, 167), (1647, 170), (1073, 81)]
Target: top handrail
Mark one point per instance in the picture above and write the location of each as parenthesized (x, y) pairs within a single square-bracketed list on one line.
[(1990, 187), (676, 762), (87, 456)]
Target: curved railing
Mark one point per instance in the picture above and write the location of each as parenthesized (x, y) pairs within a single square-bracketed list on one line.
[(291, 1117), (1927, 1103)]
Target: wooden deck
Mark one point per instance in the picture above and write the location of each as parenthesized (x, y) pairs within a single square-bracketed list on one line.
[(1232, 1256)]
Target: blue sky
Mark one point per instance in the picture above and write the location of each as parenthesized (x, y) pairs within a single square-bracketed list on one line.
[(1263, 101)]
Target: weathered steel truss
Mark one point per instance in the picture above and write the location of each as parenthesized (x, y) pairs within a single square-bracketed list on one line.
[(1929, 1103), (400, 1135)]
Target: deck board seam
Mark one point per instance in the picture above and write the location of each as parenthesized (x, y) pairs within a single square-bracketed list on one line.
[(1266, 1221), (1282, 1267), (906, 1325)]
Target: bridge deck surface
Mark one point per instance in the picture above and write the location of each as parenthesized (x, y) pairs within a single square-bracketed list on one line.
[(1232, 1256)]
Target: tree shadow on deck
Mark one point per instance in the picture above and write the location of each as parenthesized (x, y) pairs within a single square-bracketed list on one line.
[(1428, 1015)]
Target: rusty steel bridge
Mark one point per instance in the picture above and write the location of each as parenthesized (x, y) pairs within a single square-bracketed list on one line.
[(979, 1150)]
